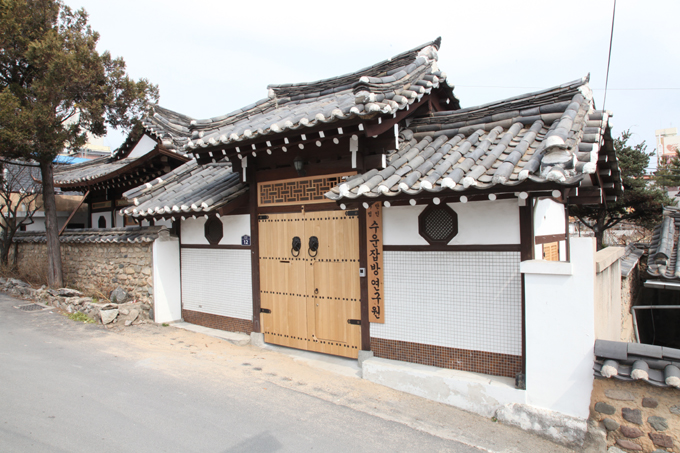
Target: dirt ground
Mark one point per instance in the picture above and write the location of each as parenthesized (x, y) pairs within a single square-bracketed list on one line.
[(181, 353)]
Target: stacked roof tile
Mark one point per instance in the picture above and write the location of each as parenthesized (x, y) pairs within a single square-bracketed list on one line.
[(657, 365), (134, 235), (189, 189), (663, 250), (89, 171), (631, 258), (383, 88), (551, 135)]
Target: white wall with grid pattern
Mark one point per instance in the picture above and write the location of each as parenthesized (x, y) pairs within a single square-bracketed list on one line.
[(479, 222), (233, 227), (218, 282), (466, 300)]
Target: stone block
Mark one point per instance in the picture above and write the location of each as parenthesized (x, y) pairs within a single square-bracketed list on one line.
[(619, 395), (631, 432), (649, 402), (610, 424), (605, 408), (661, 440), (628, 445), (658, 423), (632, 415)]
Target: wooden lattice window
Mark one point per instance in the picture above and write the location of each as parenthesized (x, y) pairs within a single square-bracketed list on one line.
[(438, 224)]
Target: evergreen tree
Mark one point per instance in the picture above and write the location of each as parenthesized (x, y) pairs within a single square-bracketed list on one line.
[(642, 203), (54, 88)]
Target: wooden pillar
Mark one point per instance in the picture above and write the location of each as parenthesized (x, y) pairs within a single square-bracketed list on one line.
[(363, 263), (526, 230), (526, 237), (254, 243)]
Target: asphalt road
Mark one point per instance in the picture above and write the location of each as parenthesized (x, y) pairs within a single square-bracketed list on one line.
[(74, 387)]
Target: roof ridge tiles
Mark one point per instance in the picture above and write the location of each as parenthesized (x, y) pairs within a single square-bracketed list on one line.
[(393, 62)]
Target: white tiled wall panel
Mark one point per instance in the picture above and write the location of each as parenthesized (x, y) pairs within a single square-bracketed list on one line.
[(217, 281), (466, 300)]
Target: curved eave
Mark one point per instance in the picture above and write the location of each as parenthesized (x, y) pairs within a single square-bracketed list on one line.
[(531, 184), (85, 183)]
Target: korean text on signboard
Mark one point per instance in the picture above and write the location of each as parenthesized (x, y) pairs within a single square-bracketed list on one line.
[(374, 247)]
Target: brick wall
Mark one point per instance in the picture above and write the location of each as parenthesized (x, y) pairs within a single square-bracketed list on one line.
[(218, 322), (97, 268)]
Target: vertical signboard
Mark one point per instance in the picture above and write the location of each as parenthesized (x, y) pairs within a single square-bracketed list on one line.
[(374, 246)]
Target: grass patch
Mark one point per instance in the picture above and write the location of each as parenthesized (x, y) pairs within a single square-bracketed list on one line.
[(81, 317), (165, 324)]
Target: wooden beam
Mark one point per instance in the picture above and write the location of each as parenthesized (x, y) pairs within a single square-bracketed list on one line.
[(74, 212), (255, 246), (386, 124), (290, 139), (236, 203), (548, 238)]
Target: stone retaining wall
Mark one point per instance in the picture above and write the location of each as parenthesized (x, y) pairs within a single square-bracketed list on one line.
[(636, 415), (97, 269)]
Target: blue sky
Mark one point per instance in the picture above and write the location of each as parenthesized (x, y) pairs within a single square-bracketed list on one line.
[(212, 57)]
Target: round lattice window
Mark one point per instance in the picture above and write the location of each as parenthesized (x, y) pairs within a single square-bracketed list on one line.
[(213, 230), (438, 224)]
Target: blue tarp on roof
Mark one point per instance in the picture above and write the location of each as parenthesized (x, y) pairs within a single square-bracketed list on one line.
[(69, 160)]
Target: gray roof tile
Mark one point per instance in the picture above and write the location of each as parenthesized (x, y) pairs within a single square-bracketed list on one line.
[(663, 251), (632, 361), (134, 234), (502, 143), (386, 87), (188, 190)]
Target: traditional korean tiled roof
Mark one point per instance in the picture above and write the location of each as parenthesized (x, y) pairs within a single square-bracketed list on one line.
[(554, 135), (631, 258), (384, 88), (189, 189), (663, 250), (116, 171), (133, 234), (657, 365), (89, 171)]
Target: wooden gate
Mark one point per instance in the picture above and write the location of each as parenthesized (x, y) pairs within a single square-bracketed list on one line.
[(309, 287)]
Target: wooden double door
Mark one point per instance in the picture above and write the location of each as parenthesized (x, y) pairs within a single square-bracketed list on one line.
[(309, 281)]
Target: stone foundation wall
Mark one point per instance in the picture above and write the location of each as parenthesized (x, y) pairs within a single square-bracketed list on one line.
[(97, 269), (637, 416)]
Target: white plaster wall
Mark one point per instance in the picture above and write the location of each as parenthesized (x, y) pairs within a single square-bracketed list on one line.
[(473, 392), (217, 281), (608, 304), (166, 280), (144, 145), (119, 219), (560, 330), (480, 222), (549, 218), (234, 226), (465, 300), (97, 215)]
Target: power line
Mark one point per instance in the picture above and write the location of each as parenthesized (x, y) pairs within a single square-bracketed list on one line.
[(594, 89), (609, 58)]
